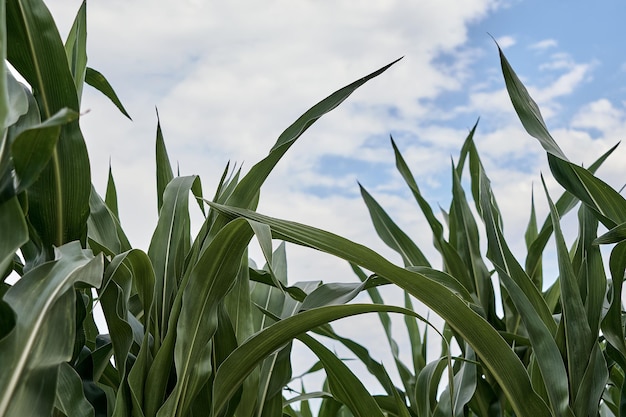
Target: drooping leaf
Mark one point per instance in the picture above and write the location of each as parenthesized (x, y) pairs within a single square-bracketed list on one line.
[(344, 385), (43, 301), (246, 190), (486, 342), (33, 148), (527, 109), (100, 83)]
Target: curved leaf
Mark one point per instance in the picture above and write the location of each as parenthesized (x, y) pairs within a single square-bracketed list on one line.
[(59, 199), (344, 385), (242, 361), (43, 300)]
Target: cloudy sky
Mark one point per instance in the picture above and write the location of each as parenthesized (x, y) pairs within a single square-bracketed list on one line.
[(228, 77)]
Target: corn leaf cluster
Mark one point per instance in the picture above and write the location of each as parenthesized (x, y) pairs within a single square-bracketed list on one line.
[(195, 328)]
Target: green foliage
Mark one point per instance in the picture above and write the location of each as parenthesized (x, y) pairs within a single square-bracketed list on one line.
[(195, 328)]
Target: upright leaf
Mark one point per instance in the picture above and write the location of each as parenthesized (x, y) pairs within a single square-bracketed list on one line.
[(59, 200), (210, 280), (164, 172), (169, 246), (76, 49)]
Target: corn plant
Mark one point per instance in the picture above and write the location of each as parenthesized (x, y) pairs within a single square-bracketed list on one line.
[(557, 348), (183, 317)]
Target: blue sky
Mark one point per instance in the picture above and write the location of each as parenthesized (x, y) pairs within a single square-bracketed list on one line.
[(227, 77)]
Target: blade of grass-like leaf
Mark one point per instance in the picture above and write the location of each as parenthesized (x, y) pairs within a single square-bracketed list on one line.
[(453, 264), (426, 386), (612, 324), (43, 301), (110, 196), (15, 231), (608, 204), (587, 260), (249, 186), (615, 235), (373, 366), (237, 366), (407, 379), (564, 204), (76, 49), (70, 398), (599, 196), (456, 396), (592, 385), (13, 104), (465, 239), (391, 234), (335, 293), (344, 385), (209, 281), (97, 81), (498, 250), (527, 109), (59, 200), (33, 147), (486, 342), (5, 107), (170, 244), (578, 335), (536, 274), (104, 232), (164, 172)]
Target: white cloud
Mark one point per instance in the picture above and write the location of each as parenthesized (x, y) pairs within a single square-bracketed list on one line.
[(544, 44), (506, 41)]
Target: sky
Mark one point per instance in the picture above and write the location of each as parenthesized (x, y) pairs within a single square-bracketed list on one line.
[(228, 77)]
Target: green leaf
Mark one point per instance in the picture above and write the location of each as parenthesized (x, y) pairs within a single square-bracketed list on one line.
[(527, 109), (103, 229), (43, 301), (240, 363), (578, 335), (33, 148), (454, 398), (70, 398), (209, 281), (110, 196), (14, 231), (169, 246), (249, 186), (164, 172), (100, 83), (612, 324), (344, 385), (615, 235), (486, 342), (76, 48), (59, 200), (465, 239), (391, 234), (566, 202)]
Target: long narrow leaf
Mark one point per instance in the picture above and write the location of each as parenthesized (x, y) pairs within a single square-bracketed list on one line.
[(59, 200), (344, 385), (44, 331), (494, 351)]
